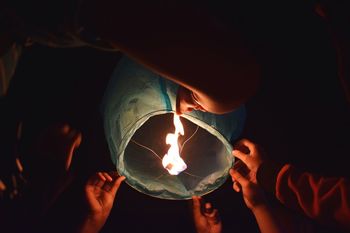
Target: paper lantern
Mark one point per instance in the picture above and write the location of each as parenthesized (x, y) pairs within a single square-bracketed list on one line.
[(138, 110)]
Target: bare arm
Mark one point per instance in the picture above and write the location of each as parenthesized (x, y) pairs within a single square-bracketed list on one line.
[(267, 221)]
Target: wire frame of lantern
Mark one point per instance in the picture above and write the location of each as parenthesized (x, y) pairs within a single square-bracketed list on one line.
[(138, 109)]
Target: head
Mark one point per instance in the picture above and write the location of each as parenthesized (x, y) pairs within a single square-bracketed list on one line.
[(188, 100)]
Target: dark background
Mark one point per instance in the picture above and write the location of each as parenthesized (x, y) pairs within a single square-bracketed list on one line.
[(299, 115)]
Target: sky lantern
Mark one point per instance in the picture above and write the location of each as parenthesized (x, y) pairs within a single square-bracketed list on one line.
[(160, 153)]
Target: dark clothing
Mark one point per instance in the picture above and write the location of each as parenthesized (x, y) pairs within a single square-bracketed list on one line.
[(51, 23), (326, 199)]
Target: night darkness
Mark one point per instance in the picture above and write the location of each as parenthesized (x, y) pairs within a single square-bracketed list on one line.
[(298, 115)]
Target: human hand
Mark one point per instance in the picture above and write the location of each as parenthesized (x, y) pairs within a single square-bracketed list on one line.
[(251, 155), (100, 192), (253, 195), (206, 219)]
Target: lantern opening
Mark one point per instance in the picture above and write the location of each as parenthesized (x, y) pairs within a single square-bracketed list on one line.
[(205, 155)]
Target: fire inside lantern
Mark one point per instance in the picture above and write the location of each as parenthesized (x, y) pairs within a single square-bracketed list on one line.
[(172, 160)]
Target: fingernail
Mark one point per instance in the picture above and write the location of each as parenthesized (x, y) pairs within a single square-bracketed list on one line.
[(101, 176)]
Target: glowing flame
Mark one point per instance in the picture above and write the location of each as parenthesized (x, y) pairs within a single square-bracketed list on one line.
[(172, 160)]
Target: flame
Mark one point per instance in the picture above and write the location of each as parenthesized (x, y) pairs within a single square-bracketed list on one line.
[(172, 160)]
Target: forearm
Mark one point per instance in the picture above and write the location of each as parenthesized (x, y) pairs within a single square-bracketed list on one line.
[(89, 225), (266, 220)]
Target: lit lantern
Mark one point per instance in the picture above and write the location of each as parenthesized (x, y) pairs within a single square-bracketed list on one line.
[(139, 119)]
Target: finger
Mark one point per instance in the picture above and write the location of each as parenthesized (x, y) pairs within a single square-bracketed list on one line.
[(240, 167), (237, 177), (75, 136), (77, 140), (108, 185), (242, 156), (196, 207), (250, 145), (237, 164), (107, 176), (76, 143), (101, 177), (69, 157), (213, 217), (96, 180), (236, 186), (116, 184), (212, 214), (208, 208)]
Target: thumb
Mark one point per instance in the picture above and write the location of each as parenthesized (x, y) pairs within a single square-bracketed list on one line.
[(196, 207)]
